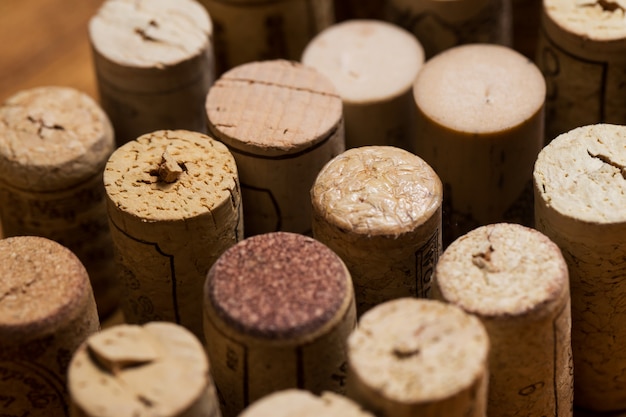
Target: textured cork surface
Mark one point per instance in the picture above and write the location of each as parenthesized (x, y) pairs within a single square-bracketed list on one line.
[(277, 285), (273, 108), (52, 138), (591, 20)]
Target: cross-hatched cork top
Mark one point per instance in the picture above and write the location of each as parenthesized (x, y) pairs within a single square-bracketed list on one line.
[(377, 190), (170, 175), (148, 33), (158, 369), (503, 270), (43, 286), (277, 286), (52, 138), (416, 350), (592, 20), (582, 174), (273, 108)]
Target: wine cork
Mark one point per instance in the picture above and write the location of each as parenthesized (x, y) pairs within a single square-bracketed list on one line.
[(47, 310), (278, 309), (373, 65), (174, 206), (582, 54), (443, 24), (282, 121), (294, 402), (154, 64), (515, 280), (480, 126), (433, 364), (379, 209), (259, 30), (579, 200), (54, 143), (158, 369)]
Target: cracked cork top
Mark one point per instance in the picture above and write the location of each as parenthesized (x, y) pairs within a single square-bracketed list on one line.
[(52, 138), (278, 286)]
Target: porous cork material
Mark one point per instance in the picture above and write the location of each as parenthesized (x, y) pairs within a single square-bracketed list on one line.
[(434, 364), (515, 280), (579, 198)]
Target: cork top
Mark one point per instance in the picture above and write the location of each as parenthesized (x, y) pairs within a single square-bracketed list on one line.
[(582, 174), (294, 402), (367, 60), (128, 370), (52, 138), (277, 286), (170, 175), (438, 352), (43, 287), (273, 108), (503, 270), (377, 190), (480, 88), (148, 33)]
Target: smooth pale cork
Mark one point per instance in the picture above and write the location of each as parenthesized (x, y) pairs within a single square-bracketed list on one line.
[(373, 65), (515, 280), (174, 207), (47, 310), (580, 195), (54, 143), (282, 121), (154, 64), (480, 118), (411, 357), (379, 209), (158, 369), (294, 402), (278, 309)]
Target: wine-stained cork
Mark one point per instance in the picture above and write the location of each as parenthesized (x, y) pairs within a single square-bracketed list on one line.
[(282, 121), (174, 207), (373, 65), (416, 357), (480, 126), (443, 24), (158, 369), (379, 209), (582, 54), (580, 195), (47, 310), (278, 309), (154, 64), (54, 143), (515, 280)]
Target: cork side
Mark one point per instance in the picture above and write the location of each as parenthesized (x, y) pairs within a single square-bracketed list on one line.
[(503, 270), (480, 89), (52, 138), (277, 286), (170, 175), (377, 190), (272, 108), (367, 60)]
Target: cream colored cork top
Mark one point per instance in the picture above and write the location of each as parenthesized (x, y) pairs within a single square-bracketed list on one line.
[(377, 190), (367, 60), (582, 174), (52, 138), (593, 20), (149, 33), (273, 108), (480, 88), (158, 369), (502, 270), (43, 286), (170, 175), (416, 350)]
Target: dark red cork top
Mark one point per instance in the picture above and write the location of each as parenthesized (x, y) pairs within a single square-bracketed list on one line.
[(277, 285)]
